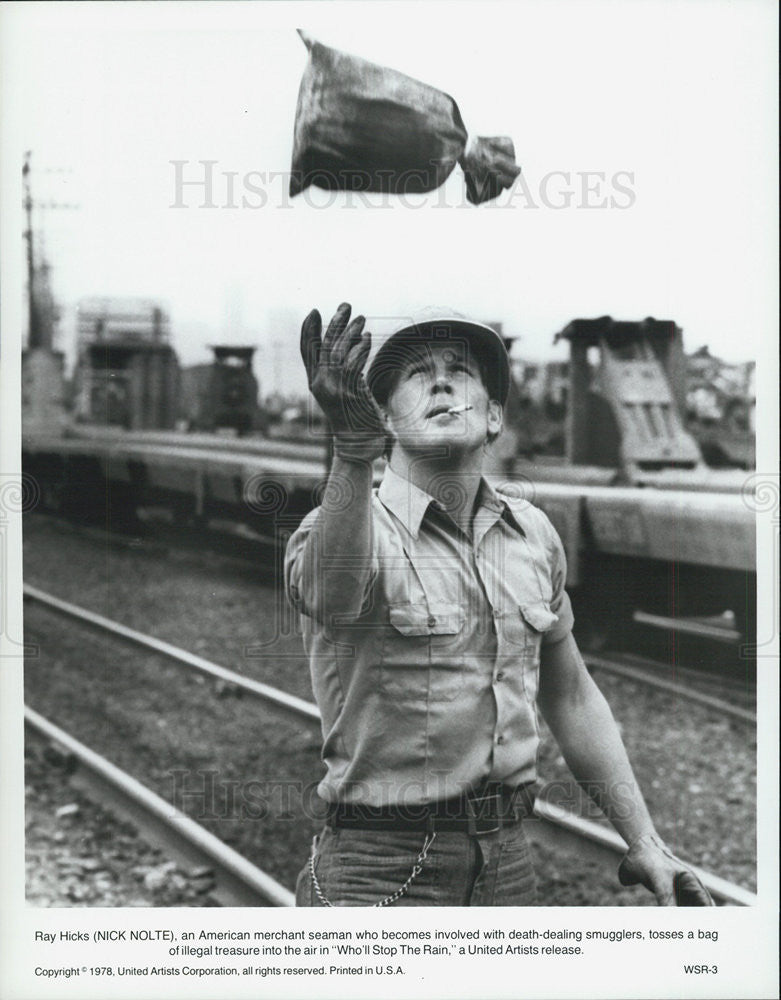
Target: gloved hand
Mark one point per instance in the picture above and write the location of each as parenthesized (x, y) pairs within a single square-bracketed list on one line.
[(334, 368), (650, 862)]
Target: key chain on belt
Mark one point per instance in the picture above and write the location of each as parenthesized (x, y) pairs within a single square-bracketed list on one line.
[(417, 868)]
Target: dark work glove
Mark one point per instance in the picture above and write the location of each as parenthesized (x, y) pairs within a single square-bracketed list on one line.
[(689, 891), (650, 862), (334, 367)]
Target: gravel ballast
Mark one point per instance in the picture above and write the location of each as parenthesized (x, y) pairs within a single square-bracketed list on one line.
[(185, 736)]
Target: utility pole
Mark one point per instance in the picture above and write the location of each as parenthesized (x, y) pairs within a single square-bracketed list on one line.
[(36, 337), (44, 407), (42, 312)]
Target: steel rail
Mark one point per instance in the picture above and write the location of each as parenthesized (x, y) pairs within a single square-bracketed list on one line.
[(160, 536), (564, 824), (240, 883), (673, 687), (689, 626), (568, 827), (237, 881), (301, 707), (245, 684)]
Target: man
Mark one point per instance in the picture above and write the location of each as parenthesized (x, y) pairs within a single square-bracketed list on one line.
[(436, 622)]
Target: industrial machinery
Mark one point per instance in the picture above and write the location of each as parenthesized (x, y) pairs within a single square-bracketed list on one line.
[(127, 371), (221, 394), (651, 535), (627, 413)]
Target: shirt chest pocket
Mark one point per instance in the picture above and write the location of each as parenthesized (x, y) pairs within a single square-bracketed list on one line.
[(521, 630), (422, 652)]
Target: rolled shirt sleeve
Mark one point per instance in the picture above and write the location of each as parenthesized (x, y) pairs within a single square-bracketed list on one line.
[(300, 581), (304, 569), (560, 602)]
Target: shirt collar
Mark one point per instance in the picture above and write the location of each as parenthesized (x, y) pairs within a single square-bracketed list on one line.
[(404, 500), (409, 503), (503, 504)]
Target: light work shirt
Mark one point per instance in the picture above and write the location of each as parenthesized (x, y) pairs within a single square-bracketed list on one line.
[(431, 689)]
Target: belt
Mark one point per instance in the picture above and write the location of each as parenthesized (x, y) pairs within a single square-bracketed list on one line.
[(485, 810)]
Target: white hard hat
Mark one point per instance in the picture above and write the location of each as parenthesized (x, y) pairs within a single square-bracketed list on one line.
[(438, 324)]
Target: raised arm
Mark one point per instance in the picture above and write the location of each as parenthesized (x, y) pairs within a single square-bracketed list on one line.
[(333, 568)]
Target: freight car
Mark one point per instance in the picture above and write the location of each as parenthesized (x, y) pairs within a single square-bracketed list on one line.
[(665, 554), (671, 557), (650, 533)]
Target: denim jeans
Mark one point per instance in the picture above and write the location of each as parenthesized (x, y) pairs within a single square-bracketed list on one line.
[(362, 867)]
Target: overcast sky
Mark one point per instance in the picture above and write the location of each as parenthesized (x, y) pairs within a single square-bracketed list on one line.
[(675, 102)]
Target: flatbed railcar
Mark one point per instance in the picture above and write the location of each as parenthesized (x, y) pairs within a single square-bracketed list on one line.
[(666, 552), (674, 554)]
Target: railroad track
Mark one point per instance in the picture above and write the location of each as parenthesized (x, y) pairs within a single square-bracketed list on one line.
[(238, 544), (647, 672), (155, 534), (237, 882), (642, 671), (183, 836)]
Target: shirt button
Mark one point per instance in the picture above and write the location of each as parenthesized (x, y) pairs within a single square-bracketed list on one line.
[(500, 676), (431, 621), (500, 739)]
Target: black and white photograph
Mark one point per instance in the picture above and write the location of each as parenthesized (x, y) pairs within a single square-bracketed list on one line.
[(389, 499)]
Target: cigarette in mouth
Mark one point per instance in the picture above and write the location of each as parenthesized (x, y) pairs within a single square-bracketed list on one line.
[(460, 409)]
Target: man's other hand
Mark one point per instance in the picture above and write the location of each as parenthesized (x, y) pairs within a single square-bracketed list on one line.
[(650, 862)]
